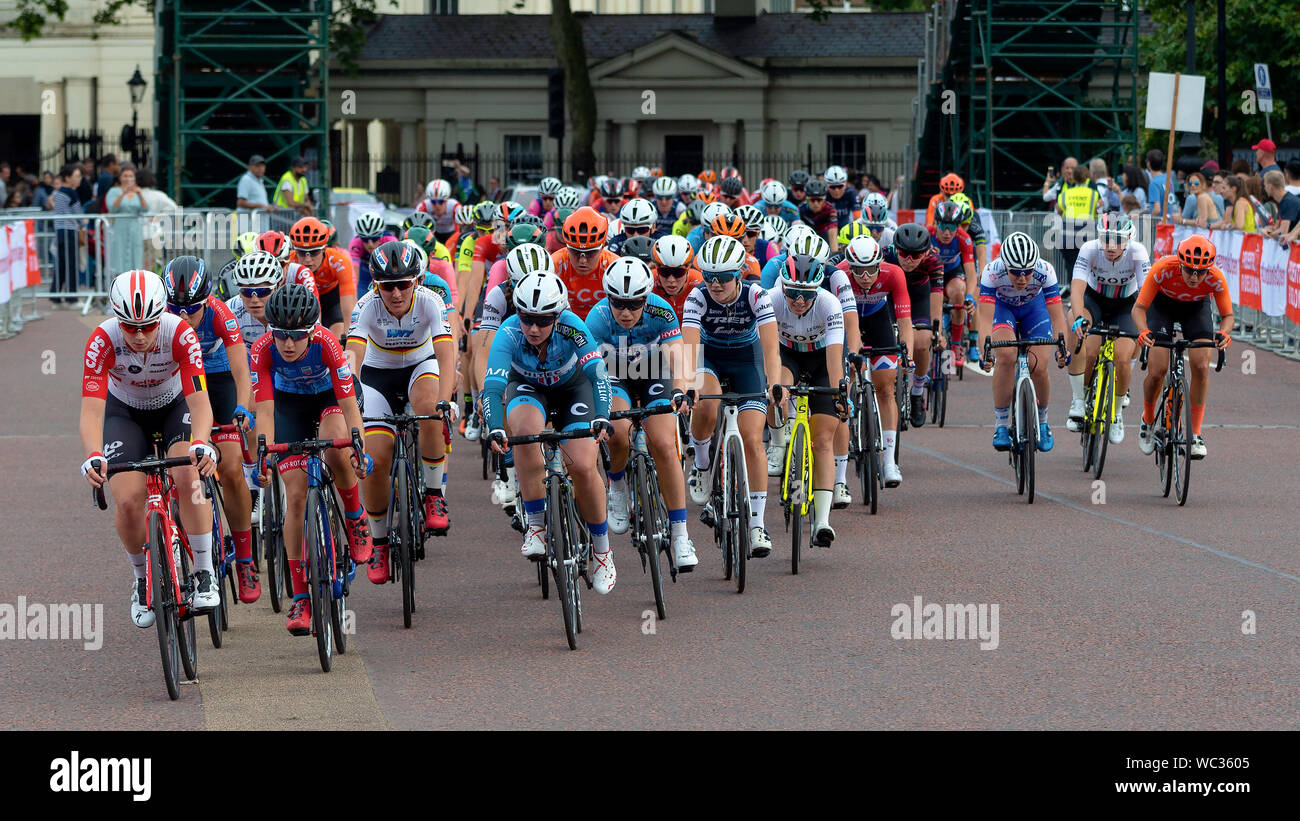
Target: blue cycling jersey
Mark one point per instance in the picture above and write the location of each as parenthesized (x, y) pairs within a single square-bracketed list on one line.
[(217, 329), (696, 237), (633, 353), (788, 210), (772, 270)]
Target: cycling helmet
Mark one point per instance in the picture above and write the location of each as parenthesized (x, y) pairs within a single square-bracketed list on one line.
[(464, 215), (507, 212), (640, 247), (695, 213), (549, 187), (688, 184), (963, 204), (1195, 252), (731, 186), (484, 213), (561, 214), (875, 198), (776, 224), (810, 245), (244, 243), (421, 219), (947, 213), (438, 189), (664, 187), (637, 213), (641, 173), (853, 229), (799, 178), (584, 229), (258, 268), (773, 193), (1018, 251), (951, 184), (527, 258), (863, 250), (1114, 228), (568, 198), (422, 258), (138, 297), (767, 233), (815, 189), (803, 271), (370, 226), (875, 215), (729, 172), (609, 189), (705, 196), (396, 260), (752, 216), (836, 175), (274, 243), (424, 239), (186, 281), (708, 175), (294, 307), (914, 239), (673, 251), (721, 254), (526, 219), (524, 233), (728, 225), (308, 234), (331, 233), (795, 230), (628, 278), (712, 211), (541, 293)]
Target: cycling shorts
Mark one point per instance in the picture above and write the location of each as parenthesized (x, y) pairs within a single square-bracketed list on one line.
[(809, 367), (642, 393), (1194, 318), (386, 391), (330, 309), (918, 293), (569, 407), (738, 370), (955, 273), (877, 331), (222, 396), (129, 432), (298, 415), (1029, 321), (1113, 311)]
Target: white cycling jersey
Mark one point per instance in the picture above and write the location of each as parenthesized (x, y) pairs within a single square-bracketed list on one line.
[(495, 309), (148, 380), (250, 328), (838, 285), (398, 343), (1112, 280), (821, 326)]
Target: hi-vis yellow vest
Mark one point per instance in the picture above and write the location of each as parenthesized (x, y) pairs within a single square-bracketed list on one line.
[(299, 190), (1078, 202)]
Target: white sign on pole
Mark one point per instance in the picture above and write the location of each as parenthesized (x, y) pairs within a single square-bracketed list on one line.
[(1263, 89), (1160, 101)]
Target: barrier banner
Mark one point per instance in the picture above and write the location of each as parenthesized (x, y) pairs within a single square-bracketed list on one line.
[(1227, 244), (906, 215), (18, 233), (990, 227), (1293, 284), (1272, 279), (4, 264), (1252, 252), (1164, 244)]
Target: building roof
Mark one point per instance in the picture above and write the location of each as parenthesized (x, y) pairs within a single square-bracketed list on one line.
[(527, 36)]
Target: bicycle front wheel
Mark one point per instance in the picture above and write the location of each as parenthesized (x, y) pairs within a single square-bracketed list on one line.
[(1180, 433), (798, 472), (342, 560), (651, 528), (1164, 441), (164, 606), (319, 584), (185, 634), (1029, 431), (557, 556), (1105, 412), (401, 557), (738, 508)]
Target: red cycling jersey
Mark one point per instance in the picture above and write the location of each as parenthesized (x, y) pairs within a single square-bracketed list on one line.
[(693, 278), (891, 283), (486, 251), (1166, 277), (148, 380), (584, 290)]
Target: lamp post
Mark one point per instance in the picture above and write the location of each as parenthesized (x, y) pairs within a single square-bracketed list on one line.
[(137, 85)]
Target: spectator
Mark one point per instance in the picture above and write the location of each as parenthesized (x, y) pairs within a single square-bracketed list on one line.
[(1238, 212), (1287, 227), (4, 181), (1241, 168), (494, 191), (1134, 183), (292, 191), (1200, 207), (871, 184), (250, 194), (465, 182), (1156, 188), (1107, 188), (86, 188), (1078, 203), (42, 191), (1266, 155), (1292, 172), (1052, 184), (156, 202), (68, 232), (126, 235), (895, 198), (109, 168), (1131, 207)]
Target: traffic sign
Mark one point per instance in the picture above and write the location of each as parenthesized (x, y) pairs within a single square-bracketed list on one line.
[(1263, 90)]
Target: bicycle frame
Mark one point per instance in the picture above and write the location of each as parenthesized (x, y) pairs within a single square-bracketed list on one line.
[(800, 496)]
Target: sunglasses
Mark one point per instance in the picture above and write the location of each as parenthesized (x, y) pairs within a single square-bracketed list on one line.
[(798, 188), (296, 336), (1195, 183), (672, 273), (436, 202), (626, 304), (947, 226), (719, 276), (260, 293), (396, 285), (1194, 273), (836, 187), (811, 200), (912, 255), (642, 230), (752, 234), (370, 239), (188, 310), (729, 196), (584, 254), (801, 294), (1020, 273), (142, 328), (312, 252), (864, 271), (537, 320)]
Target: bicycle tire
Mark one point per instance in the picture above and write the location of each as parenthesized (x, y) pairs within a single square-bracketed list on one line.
[(902, 394), (739, 508), (797, 484), (164, 607), (874, 479), (342, 555), (557, 556), (1086, 439), (319, 589), (485, 453), (1164, 445), (186, 633), (402, 551), (1101, 438), (1029, 418), (723, 535), (578, 537), (652, 528), (861, 430), (1183, 444), (544, 579), (216, 616)]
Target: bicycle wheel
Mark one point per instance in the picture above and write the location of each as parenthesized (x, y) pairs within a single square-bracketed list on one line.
[(1181, 435), (342, 559), (875, 478), (795, 469), (164, 606), (1164, 442), (902, 394), (319, 584), (402, 551), (1105, 410), (722, 530), (1087, 440), (557, 556), (651, 528), (217, 621), (1029, 427), (739, 508), (485, 453)]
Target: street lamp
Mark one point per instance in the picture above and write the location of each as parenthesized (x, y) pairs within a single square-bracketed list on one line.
[(137, 85)]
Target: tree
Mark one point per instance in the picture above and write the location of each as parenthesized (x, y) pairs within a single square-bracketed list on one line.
[(566, 39)]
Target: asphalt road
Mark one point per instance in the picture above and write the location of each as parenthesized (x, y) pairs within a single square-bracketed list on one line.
[(1122, 615)]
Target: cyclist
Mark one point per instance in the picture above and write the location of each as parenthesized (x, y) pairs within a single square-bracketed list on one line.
[(1178, 289), (274, 242), (566, 202), (437, 283), (636, 219), (667, 207), (675, 272), (487, 248), (875, 213), (464, 228), (775, 202), (581, 263), (143, 377), (371, 233), (545, 201), (974, 228), (1019, 298), (243, 244), (641, 340), (709, 212), (225, 362), (912, 251), (256, 277), (876, 285), (810, 327), (949, 185), (401, 335), (438, 203), (1103, 288), (544, 358), (760, 249), (302, 382), (732, 325), (731, 192), (330, 267), (732, 225), (795, 187), (820, 214), (842, 195), (957, 253)]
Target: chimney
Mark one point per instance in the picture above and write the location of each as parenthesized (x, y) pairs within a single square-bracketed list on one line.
[(738, 10)]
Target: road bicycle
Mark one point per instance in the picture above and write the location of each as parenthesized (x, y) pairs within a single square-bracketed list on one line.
[(1172, 428), (330, 569), (268, 514), (1024, 411), (797, 472), (223, 542), (648, 526), (866, 442), (937, 388), (1100, 407), (727, 511)]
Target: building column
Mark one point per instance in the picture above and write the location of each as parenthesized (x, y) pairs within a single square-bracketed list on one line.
[(601, 144), (409, 160), (53, 106), (726, 140), (627, 148), (788, 141), (78, 98), (359, 154), (753, 144)]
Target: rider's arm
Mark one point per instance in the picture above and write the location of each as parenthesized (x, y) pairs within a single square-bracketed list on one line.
[(188, 354), (498, 368), (765, 320), (906, 335), (473, 284), (97, 362), (1077, 286), (92, 423), (239, 372), (444, 349), (263, 388), (835, 346)]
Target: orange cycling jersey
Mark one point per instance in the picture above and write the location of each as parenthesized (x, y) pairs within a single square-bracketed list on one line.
[(584, 290), (335, 271), (693, 278), (1166, 277), (929, 209), (753, 271)]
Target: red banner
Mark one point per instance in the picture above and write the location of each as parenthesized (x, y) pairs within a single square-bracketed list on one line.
[(905, 215), (997, 251), (1293, 284), (33, 264), (1252, 250), (1164, 244)]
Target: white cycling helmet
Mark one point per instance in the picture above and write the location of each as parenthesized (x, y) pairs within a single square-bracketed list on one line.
[(568, 198), (767, 233), (811, 245), (797, 229), (688, 184), (672, 251), (525, 259), (258, 268), (836, 175), (721, 254), (628, 278), (863, 251), (637, 213), (773, 193), (541, 293), (370, 225), (420, 253), (138, 297), (664, 187), (712, 211), (641, 173), (549, 187), (777, 225), (875, 198), (1019, 251), (752, 216), (437, 189)]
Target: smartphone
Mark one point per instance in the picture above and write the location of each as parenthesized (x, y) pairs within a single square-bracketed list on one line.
[(1051, 171)]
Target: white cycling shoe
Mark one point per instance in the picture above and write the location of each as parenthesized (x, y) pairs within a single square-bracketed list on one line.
[(684, 554), (1146, 442), (206, 593), (1117, 431), (604, 577), (698, 485), (893, 476), (1198, 446), (842, 497), (760, 543), (503, 493), (141, 615), (823, 536), (617, 512), (775, 458), (534, 542), (472, 430), (1074, 421)]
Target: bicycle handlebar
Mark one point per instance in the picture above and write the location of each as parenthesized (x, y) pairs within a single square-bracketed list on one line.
[(640, 413), (1179, 345), (1106, 331), (548, 436), (811, 390), (731, 398), (237, 427), (143, 466), (308, 446)]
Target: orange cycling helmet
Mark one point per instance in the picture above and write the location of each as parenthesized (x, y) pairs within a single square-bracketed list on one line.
[(708, 175), (274, 243), (308, 233), (951, 184), (706, 196), (728, 225), (584, 229), (1196, 252)]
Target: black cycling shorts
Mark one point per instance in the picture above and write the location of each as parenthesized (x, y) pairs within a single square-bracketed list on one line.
[(330, 309), (129, 432), (919, 295), (809, 367), (1114, 311), (738, 370), (1193, 317), (298, 415), (573, 403), (385, 391), (877, 331), (642, 393)]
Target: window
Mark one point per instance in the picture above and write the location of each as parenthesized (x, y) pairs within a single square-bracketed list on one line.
[(523, 159), (443, 6), (848, 150)]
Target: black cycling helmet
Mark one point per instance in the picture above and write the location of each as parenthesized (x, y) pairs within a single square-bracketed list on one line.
[(947, 213), (911, 239), (609, 189), (186, 281), (731, 186), (292, 307), (641, 247), (815, 188), (526, 219), (799, 178), (394, 260), (418, 219)]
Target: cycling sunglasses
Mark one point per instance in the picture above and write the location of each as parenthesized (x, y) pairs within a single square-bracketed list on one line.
[(436, 202), (396, 285), (260, 293), (804, 294), (719, 276), (142, 328), (912, 254), (637, 230), (584, 253), (862, 271), (537, 320), (188, 310), (1020, 272), (626, 304), (296, 336), (673, 273), (947, 226), (752, 234), (310, 252), (835, 186), (812, 200)]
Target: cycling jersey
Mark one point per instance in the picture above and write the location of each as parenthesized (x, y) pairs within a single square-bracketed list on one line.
[(996, 286), (734, 325), (954, 253), (696, 237), (321, 368), (442, 278), (678, 302), (764, 250), (393, 342), (497, 307), (442, 288), (836, 281), (251, 329), (786, 210), (634, 353), (825, 220), (975, 229), (217, 330), (664, 222), (847, 207), (1166, 277), (537, 209), (335, 273), (465, 250), (682, 225), (361, 259), (930, 269), (585, 290), (149, 380), (296, 273), (890, 286), (1108, 279), (820, 326), (441, 224)]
